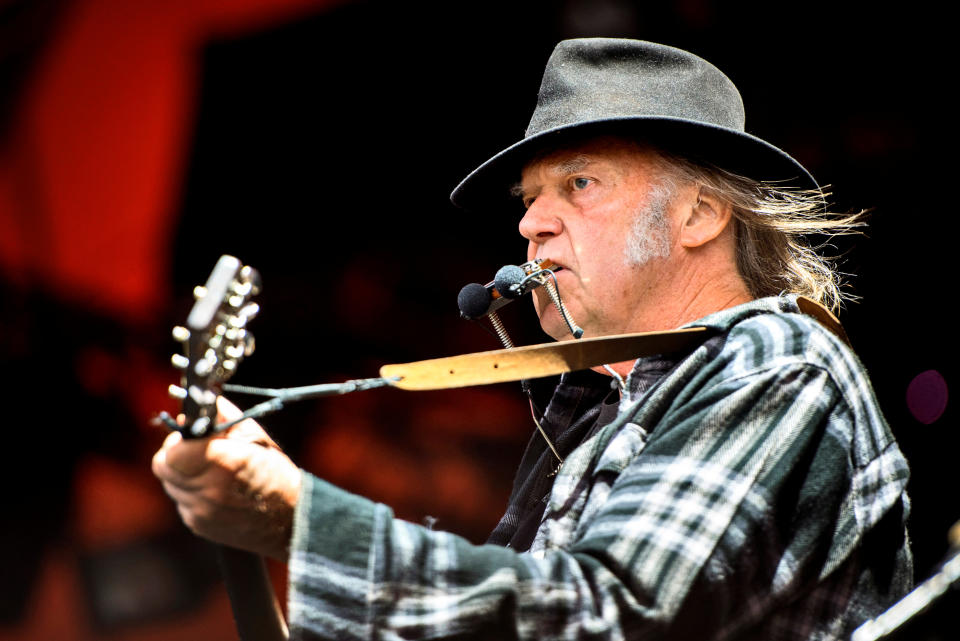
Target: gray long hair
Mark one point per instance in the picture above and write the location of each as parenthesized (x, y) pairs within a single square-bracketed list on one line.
[(773, 224)]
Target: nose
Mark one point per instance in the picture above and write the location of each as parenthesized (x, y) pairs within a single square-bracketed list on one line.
[(541, 222)]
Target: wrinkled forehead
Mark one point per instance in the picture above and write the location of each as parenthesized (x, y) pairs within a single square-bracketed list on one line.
[(574, 157)]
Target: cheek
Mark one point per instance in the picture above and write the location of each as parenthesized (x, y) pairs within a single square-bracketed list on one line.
[(608, 280), (599, 255), (540, 298)]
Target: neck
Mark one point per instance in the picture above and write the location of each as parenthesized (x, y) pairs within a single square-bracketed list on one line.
[(682, 296)]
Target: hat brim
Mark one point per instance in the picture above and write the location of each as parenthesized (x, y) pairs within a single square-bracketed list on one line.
[(487, 188)]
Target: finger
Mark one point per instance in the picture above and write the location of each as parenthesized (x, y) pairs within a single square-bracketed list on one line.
[(247, 430), (192, 464), (227, 410), (182, 497), (232, 456), (171, 462), (194, 512), (170, 475), (159, 462), (172, 439), (205, 498)]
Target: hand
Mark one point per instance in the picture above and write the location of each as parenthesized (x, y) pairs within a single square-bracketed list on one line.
[(237, 488)]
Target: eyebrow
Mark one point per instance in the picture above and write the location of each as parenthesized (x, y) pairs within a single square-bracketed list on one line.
[(571, 165), (562, 168)]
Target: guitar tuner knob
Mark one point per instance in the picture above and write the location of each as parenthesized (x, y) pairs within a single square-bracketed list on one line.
[(229, 365), (250, 311), (235, 351), (200, 426), (177, 392), (180, 361), (241, 288), (248, 344), (236, 301), (250, 275), (204, 367), (181, 334), (199, 292), (202, 397)]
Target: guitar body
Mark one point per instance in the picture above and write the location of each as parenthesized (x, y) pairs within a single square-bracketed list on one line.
[(215, 340)]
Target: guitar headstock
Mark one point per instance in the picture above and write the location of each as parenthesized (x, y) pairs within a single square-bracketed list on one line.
[(215, 340)]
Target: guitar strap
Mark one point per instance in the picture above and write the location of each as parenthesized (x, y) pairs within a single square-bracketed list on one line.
[(536, 361)]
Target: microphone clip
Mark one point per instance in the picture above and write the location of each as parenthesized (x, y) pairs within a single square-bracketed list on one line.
[(512, 282)]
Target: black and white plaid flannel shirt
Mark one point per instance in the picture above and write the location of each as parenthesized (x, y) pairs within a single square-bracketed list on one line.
[(753, 491)]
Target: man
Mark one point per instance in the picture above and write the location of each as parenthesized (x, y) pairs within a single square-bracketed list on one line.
[(745, 489)]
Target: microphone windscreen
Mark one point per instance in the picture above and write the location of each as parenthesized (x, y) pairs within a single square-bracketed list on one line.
[(474, 300), (508, 279)]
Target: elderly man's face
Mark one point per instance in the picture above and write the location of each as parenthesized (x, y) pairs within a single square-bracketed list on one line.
[(603, 212)]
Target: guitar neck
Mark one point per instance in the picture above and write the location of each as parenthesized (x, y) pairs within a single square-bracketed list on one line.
[(214, 341), (256, 610)]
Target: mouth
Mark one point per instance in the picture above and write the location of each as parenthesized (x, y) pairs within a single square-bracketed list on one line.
[(549, 296), (543, 271), (550, 264)]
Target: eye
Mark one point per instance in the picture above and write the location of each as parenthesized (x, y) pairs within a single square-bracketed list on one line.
[(580, 183)]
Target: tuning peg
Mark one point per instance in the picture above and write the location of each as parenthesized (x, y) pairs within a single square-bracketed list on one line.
[(234, 351), (179, 361), (229, 365), (242, 288), (250, 311), (199, 292), (163, 418), (181, 334), (236, 301), (202, 397), (250, 275), (200, 426), (248, 344), (204, 366), (177, 392)]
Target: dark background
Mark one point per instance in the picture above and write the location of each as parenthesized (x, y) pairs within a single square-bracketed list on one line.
[(320, 145)]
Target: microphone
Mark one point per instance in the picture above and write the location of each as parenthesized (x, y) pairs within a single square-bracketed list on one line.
[(511, 282), (474, 301)]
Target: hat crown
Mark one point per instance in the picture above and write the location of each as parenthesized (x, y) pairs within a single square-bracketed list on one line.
[(593, 79), (645, 91)]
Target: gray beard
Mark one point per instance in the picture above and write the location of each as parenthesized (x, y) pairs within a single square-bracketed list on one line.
[(650, 233)]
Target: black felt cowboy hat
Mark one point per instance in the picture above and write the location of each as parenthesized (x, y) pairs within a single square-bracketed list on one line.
[(642, 90)]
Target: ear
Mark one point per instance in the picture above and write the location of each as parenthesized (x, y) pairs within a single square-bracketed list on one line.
[(704, 221)]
